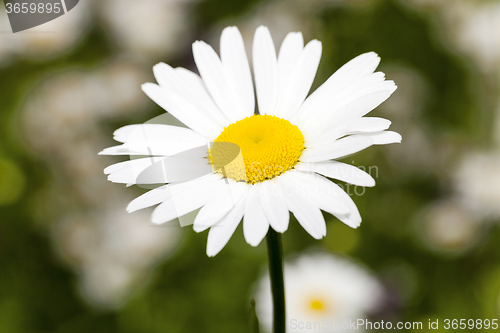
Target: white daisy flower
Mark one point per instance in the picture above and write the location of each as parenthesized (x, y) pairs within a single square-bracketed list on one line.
[(477, 183), (449, 227), (322, 292), (234, 164)]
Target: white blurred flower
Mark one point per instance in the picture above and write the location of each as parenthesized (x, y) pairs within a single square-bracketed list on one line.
[(479, 33), (69, 105), (449, 227), (406, 103), (105, 284), (321, 287), (477, 183), (471, 26), (113, 251), (117, 85), (404, 109), (148, 27), (417, 154), (46, 40)]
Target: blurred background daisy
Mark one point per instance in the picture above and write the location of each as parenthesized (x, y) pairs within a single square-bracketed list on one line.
[(322, 288), (71, 258)]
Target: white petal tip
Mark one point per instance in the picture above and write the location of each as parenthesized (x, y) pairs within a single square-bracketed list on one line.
[(397, 137), (198, 230), (255, 243), (148, 86), (160, 65), (158, 222), (372, 54), (262, 29), (315, 43), (280, 230), (213, 252), (199, 43), (230, 29), (355, 225)]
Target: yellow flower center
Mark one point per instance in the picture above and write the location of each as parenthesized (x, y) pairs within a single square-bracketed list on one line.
[(317, 305), (256, 148)]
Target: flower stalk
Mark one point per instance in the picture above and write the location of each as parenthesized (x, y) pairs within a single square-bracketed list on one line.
[(275, 257)]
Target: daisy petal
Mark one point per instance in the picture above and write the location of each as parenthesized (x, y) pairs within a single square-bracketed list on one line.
[(274, 205), (214, 75), (148, 199), (354, 103), (352, 71), (140, 162), (183, 110), (219, 205), (154, 139), (337, 149), (289, 54), (295, 83), (321, 193), (341, 171), (255, 223), (175, 169), (186, 197), (363, 105), (219, 235), (352, 220), (235, 62), (151, 148), (335, 196), (303, 208), (265, 67), (126, 172), (368, 124), (384, 137), (346, 127), (200, 93), (157, 132), (190, 86)]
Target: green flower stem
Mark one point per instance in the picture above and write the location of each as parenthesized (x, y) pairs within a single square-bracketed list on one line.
[(275, 255)]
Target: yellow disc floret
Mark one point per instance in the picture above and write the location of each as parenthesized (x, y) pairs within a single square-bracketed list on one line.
[(257, 148), (317, 305)]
